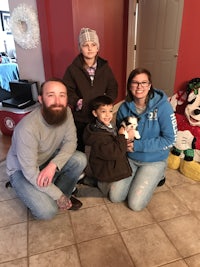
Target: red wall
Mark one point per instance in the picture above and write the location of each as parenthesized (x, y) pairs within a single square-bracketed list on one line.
[(188, 65), (60, 25)]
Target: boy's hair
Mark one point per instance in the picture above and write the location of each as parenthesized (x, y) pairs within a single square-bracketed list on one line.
[(101, 101), (98, 102)]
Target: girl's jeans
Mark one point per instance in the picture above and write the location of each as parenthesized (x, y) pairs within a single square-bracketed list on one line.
[(139, 187), (40, 204)]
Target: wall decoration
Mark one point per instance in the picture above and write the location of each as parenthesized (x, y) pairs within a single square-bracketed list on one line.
[(24, 26), (5, 21)]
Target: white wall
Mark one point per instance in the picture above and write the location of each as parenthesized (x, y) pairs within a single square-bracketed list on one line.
[(4, 5), (10, 45), (30, 61)]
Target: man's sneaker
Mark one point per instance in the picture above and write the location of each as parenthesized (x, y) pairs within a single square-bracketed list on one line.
[(81, 176), (75, 191), (8, 184), (76, 204)]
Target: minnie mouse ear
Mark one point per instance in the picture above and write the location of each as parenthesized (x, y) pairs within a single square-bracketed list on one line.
[(193, 84)]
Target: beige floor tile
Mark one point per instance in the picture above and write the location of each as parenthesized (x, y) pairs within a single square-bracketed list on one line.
[(13, 242), (165, 234), (3, 174), (105, 251), (184, 234), (126, 218), (197, 214), (180, 263), (89, 196), (107, 201), (48, 235), (149, 246), (6, 193), (193, 261), (11, 212), (189, 194), (174, 177), (92, 223), (16, 263), (63, 257), (165, 205), (162, 188)]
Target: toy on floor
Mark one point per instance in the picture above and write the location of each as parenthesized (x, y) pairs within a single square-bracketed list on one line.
[(187, 110)]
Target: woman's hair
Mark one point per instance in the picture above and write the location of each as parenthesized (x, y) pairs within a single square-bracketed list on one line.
[(130, 78)]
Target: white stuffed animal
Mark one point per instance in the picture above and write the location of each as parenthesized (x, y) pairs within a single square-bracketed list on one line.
[(130, 125)]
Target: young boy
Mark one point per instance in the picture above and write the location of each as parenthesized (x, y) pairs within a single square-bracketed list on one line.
[(107, 159)]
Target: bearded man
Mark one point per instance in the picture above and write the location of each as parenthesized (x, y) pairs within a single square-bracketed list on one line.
[(42, 163)]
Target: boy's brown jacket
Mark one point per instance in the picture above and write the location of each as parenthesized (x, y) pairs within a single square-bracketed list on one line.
[(108, 160)]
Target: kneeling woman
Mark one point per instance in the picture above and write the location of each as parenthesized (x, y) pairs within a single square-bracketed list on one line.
[(148, 155)]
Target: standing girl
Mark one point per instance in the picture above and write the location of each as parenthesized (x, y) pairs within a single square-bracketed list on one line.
[(87, 77)]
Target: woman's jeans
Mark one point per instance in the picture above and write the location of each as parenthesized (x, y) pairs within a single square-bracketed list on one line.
[(139, 187), (41, 205)]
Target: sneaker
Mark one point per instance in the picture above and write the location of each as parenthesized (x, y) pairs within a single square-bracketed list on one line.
[(104, 188), (90, 181), (162, 182), (81, 176), (75, 191), (8, 184), (76, 204)]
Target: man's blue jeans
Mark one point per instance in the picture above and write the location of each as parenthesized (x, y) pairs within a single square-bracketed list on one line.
[(40, 204), (139, 187)]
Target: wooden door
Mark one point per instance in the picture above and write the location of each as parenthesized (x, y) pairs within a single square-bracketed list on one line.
[(159, 25)]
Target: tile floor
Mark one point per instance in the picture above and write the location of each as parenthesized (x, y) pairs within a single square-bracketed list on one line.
[(103, 234)]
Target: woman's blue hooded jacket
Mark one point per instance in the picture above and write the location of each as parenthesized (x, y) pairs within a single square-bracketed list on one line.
[(157, 127)]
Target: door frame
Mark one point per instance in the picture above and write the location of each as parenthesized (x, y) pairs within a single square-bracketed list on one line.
[(132, 31)]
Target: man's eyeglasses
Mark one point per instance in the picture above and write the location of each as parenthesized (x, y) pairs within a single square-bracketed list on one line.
[(137, 84)]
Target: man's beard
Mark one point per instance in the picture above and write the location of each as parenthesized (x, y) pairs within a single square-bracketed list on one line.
[(52, 116)]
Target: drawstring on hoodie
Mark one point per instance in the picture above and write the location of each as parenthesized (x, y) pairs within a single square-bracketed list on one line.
[(92, 79), (91, 72)]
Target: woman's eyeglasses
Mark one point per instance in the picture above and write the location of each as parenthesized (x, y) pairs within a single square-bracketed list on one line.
[(137, 84)]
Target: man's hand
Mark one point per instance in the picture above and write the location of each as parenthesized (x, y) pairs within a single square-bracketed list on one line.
[(46, 175)]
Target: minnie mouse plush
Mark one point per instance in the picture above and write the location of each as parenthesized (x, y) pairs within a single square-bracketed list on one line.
[(188, 135)]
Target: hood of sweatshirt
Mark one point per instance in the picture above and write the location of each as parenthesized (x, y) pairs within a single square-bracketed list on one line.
[(156, 99), (79, 61)]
